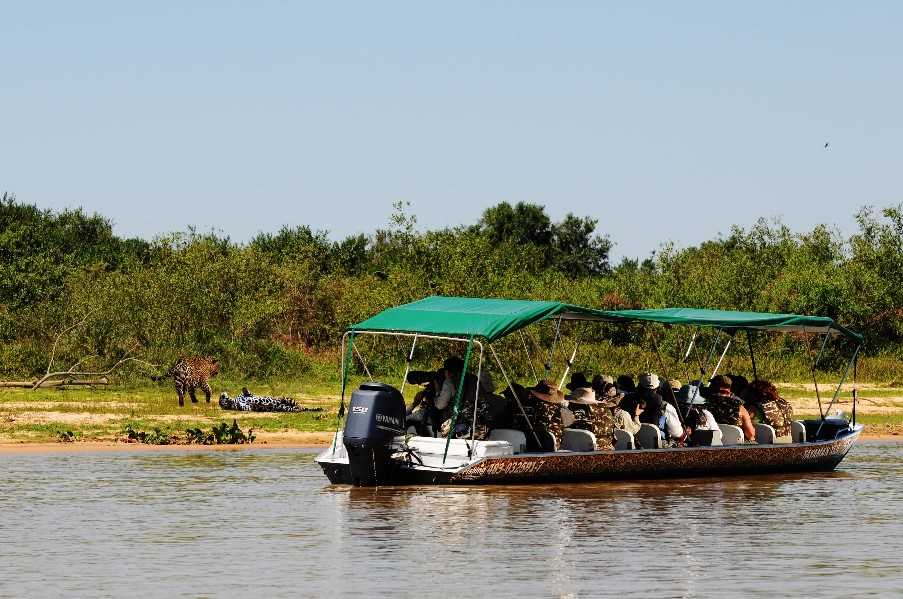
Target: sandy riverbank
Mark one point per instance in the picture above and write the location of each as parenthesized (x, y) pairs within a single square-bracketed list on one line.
[(314, 440), (276, 441)]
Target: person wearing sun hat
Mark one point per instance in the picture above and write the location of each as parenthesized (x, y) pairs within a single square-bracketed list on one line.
[(693, 405), (548, 408), (593, 415), (727, 408), (659, 412), (578, 381)]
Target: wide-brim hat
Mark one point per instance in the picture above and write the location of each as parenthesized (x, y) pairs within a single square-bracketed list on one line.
[(600, 380), (690, 395), (547, 392), (649, 380), (578, 380), (583, 396)]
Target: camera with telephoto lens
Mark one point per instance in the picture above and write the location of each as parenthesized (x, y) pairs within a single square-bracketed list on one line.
[(421, 377)]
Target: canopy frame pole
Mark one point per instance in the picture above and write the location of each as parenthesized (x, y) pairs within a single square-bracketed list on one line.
[(523, 340), (821, 413), (686, 356), (839, 386), (695, 347), (514, 394), (570, 362), (421, 335), (752, 353), (724, 353), (456, 409), (363, 363), (855, 368), (552, 349), (661, 362), (407, 365), (345, 358), (476, 400), (704, 366)]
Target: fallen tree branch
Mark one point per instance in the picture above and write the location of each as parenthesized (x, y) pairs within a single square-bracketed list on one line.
[(60, 336), (57, 383), (73, 373)]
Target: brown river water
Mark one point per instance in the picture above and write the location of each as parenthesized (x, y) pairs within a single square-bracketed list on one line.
[(266, 523)]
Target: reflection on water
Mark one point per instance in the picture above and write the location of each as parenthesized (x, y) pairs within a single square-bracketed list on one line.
[(266, 522)]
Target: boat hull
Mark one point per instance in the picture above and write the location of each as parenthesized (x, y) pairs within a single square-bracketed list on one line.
[(529, 468)]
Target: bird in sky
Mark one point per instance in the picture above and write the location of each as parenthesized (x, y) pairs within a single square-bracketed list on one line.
[(826, 145)]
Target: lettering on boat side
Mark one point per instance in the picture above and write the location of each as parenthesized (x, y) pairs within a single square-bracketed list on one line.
[(360, 409)]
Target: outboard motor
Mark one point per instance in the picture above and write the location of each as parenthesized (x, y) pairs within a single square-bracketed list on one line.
[(375, 417)]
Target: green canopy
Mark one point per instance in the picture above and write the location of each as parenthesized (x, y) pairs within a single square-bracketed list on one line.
[(468, 316), (492, 319), (726, 319)]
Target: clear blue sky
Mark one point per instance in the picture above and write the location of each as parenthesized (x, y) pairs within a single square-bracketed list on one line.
[(666, 120)]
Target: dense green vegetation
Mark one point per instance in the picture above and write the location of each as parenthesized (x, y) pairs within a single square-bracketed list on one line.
[(277, 305)]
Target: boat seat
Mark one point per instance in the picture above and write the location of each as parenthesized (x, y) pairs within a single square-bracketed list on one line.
[(516, 438), (649, 437), (798, 431), (623, 439), (547, 441), (731, 435), (575, 439), (765, 434)]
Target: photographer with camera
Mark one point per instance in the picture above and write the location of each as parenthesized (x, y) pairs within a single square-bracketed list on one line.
[(424, 415)]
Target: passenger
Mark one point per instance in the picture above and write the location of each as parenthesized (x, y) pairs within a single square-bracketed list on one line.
[(727, 408), (577, 385), (764, 405), (738, 384), (452, 368), (697, 417), (627, 416), (445, 401), (659, 412), (423, 414), (625, 384), (501, 411), (599, 383), (520, 402), (578, 381), (548, 408), (593, 415), (669, 390)]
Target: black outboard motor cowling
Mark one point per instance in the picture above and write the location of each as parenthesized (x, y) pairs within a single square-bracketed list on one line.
[(375, 417)]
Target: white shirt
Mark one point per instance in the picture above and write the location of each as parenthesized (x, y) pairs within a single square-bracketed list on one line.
[(710, 424), (446, 394), (672, 422)]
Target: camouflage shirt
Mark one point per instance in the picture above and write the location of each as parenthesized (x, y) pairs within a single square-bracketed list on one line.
[(599, 421), (778, 414), (548, 417), (726, 410)]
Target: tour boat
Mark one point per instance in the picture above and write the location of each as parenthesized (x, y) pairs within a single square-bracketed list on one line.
[(375, 448)]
